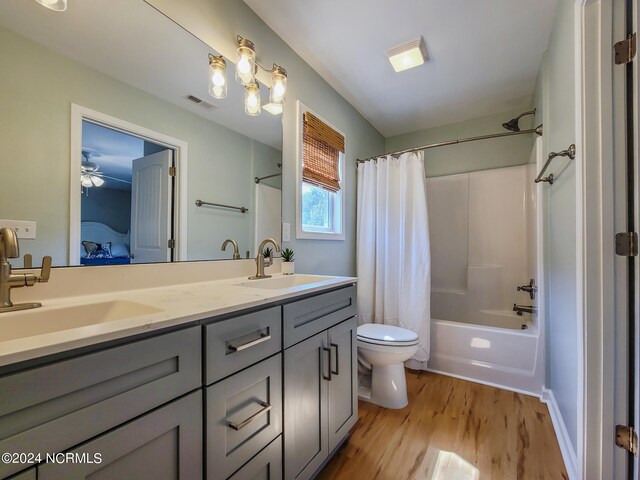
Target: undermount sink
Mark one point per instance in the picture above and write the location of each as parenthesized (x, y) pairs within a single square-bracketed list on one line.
[(285, 281), (42, 320)]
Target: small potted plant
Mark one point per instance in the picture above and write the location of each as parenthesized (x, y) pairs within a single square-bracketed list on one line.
[(268, 255), (287, 261)]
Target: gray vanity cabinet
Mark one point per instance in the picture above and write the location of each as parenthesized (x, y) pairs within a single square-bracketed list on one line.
[(165, 444), (320, 397), (267, 465), (244, 414), (343, 387), (306, 426), (26, 475), (54, 407)]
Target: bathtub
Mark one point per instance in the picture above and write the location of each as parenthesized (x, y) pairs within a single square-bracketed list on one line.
[(495, 350)]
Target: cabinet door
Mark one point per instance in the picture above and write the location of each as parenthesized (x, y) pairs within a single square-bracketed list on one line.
[(163, 444), (343, 387), (305, 407)]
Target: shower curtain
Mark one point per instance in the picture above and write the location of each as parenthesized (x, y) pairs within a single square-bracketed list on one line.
[(394, 259)]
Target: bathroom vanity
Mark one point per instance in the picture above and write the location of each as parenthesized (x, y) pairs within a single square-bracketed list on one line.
[(267, 388)]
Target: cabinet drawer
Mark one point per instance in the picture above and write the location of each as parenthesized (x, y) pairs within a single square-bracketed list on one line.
[(267, 465), (244, 414), (165, 444), (234, 344), (52, 408), (307, 317)]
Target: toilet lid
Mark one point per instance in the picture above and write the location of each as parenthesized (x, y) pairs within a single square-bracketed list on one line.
[(386, 334)]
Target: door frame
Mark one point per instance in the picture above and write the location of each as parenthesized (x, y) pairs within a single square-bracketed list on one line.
[(597, 266), (181, 155)]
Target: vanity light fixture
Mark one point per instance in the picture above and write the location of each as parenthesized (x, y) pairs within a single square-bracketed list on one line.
[(278, 88), (55, 5), (273, 108), (217, 77), (246, 66), (252, 105), (408, 55)]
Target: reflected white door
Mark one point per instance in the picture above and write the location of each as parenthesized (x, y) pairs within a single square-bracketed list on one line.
[(151, 208), (268, 216)]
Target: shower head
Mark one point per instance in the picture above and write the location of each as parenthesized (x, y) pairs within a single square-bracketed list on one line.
[(512, 125)]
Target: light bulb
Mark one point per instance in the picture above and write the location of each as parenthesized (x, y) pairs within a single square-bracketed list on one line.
[(217, 77), (252, 99), (97, 181), (244, 66)]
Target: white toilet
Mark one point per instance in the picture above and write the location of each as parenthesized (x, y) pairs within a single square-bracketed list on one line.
[(383, 349)]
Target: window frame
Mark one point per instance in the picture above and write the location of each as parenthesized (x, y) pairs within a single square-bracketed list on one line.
[(337, 204)]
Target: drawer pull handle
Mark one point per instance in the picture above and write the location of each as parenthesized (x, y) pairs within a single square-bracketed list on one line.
[(337, 370), (328, 350), (263, 338), (238, 426)]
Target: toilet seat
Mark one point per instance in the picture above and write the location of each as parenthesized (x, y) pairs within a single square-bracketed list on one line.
[(379, 334)]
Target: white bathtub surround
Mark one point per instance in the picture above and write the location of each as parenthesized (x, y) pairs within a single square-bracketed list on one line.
[(485, 243), (394, 258)]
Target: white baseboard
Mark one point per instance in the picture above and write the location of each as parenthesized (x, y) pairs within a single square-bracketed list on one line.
[(568, 453), (490, 384)]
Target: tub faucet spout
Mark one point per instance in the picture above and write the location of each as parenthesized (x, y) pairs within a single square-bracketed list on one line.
[(520, 309)]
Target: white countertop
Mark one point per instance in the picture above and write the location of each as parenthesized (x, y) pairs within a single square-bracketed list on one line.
[(178, 304)]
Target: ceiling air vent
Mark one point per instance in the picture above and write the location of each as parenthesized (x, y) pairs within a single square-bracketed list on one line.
[(199, 101)]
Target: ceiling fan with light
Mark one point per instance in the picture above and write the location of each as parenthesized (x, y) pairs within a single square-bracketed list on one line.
[(89, 174)]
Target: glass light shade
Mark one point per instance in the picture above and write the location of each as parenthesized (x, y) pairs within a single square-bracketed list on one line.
[(86, 181), (97, 181), (217, 77), (252, 99), (246, 66), (55, 5), (278, 89)]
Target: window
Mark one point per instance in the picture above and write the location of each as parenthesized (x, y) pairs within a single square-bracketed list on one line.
[(320, 178)]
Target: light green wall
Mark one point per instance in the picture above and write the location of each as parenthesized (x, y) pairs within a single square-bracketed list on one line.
[(38, 87), (555, 97), (471, 156), (218, 22)]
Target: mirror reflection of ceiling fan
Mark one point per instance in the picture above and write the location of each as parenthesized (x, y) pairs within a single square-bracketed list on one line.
[(90, 176)]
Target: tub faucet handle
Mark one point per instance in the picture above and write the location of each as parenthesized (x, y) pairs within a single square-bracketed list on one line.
[(531, 289)]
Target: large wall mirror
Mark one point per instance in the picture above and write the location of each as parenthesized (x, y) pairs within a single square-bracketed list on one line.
[(110, 138)]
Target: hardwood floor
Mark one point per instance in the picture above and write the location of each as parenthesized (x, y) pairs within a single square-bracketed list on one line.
[(452, 429)]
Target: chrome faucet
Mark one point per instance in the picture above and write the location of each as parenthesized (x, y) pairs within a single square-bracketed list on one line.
[(9, 248), (260, 260), (236, 250)]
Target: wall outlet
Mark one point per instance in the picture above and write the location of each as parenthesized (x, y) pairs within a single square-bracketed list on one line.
[(286, 232), (23, 228)]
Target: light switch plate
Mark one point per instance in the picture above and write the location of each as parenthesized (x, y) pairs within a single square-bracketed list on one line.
[(23, 228), (286, 232)]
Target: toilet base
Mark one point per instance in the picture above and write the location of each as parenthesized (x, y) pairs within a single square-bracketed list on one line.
[(388, 387)]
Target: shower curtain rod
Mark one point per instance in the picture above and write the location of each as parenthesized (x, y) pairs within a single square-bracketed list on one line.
[(537, 130)]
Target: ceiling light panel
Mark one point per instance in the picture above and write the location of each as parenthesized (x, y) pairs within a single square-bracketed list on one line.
[(409, 55)]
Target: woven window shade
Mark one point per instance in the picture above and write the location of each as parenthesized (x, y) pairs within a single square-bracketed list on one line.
[(321, 147)]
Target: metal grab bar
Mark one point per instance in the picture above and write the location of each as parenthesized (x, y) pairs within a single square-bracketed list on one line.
[(200, 203), (259, 179), (569, 152)]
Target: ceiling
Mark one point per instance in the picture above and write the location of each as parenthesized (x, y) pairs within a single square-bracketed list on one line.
[(484, 55), (136, 44), (113, 152)]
